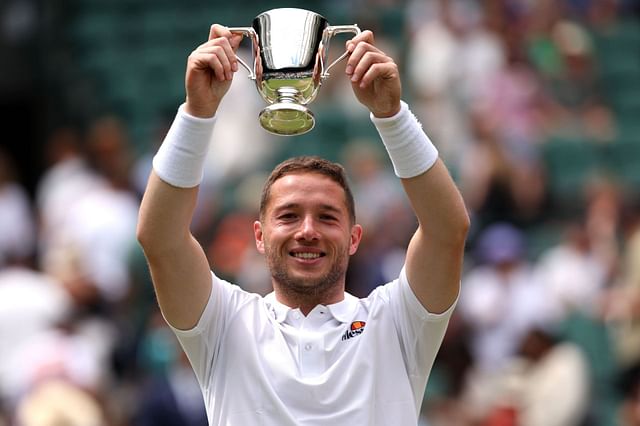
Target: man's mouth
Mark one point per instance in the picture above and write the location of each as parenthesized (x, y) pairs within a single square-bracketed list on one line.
[(306, 255)]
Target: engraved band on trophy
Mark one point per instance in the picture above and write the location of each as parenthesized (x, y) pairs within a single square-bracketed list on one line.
[(290, 48)]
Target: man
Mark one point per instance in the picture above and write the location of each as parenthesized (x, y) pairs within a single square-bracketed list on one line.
[(309, 353)]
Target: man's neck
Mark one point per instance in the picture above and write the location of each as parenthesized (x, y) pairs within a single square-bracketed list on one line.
[(306, 302)]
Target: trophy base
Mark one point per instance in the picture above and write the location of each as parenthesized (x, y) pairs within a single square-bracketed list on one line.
[(287, 119)]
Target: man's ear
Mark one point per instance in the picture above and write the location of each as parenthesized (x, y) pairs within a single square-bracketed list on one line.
[(356, 237), (257, 233)]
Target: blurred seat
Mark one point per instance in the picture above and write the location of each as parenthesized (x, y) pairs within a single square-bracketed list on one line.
[(570, 163), (623, 158)]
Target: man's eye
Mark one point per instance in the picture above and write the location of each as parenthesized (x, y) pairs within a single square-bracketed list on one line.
[(327, 217), (287, 216)]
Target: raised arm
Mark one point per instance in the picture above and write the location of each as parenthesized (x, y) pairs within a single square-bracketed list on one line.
[(435, 253), (178, 265)]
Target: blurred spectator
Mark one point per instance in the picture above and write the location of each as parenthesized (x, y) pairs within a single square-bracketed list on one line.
[(602, 220), (250, 267), (623, 307), (17, 227), (59, 402), (238, 120), (512, 104), (380, 207), (90, 250), (500, 185), (109, 151), (446, 400), (501, 171), (573, 274), (73, 351), (30, 304), (451, 57), (171, 395), (383, 214), (374, 185), (562, 52), (604, 14), (66, 179), (629, 412), (233, 239), (547, 385), (90, 223), (501, 300)]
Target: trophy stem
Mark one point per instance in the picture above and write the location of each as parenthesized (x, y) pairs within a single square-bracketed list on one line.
[(289, 95), (287, 117)]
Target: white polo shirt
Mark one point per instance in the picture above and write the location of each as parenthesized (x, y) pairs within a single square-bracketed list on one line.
[(357, 362)]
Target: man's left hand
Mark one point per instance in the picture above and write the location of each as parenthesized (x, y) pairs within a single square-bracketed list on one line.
[(375, 78)]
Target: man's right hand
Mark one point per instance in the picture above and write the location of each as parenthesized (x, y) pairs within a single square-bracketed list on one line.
[(210, 70)]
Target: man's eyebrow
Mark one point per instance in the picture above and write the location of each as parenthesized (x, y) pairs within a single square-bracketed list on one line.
[(286, 206), (323, 207), (331, 208)]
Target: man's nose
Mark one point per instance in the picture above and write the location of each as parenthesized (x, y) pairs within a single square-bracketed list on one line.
[(308, 229)]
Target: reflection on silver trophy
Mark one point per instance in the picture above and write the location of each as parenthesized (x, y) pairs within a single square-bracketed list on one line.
[(290, 48)]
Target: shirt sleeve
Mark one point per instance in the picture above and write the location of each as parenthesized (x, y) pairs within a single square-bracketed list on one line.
[(202, 342), (421, 332)]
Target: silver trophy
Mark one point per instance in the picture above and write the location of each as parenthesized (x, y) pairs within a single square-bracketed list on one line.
[(290, 48)]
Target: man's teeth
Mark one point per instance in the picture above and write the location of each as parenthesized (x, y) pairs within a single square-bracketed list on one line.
[(307, 255)]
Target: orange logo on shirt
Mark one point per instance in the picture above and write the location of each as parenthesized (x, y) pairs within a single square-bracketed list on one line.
[(357, 327)]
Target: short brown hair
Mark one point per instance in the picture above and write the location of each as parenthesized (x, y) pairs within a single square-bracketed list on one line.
[(309, 164)]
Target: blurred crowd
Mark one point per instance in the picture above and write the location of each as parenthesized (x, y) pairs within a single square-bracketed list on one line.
[(547, 328)]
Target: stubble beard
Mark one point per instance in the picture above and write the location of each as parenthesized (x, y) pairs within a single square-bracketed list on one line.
[(306, 289)]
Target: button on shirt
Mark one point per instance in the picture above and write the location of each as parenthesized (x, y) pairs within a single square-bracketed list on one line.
[(356, 362), (305, 335)]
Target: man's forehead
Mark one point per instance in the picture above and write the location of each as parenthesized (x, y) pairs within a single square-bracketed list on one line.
[(306, 174), (310, 180), (301, 187)]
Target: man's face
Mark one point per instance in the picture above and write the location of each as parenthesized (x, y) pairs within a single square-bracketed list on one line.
[(306, 234)]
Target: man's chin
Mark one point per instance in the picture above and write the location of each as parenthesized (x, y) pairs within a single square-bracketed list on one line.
[(306, 284), (305, 281)]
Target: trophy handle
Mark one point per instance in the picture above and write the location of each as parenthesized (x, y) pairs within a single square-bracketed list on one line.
[(329, 32), (251, 33)]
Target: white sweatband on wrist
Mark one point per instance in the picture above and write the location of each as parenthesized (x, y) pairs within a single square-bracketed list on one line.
[(180, 159), (409, 148)]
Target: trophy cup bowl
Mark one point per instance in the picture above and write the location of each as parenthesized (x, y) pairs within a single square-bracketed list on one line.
[(289, 48)]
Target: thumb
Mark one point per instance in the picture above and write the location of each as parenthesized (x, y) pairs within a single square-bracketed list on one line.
[(235, 41)]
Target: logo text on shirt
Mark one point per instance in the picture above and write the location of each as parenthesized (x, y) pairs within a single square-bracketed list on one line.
[(357, 327)]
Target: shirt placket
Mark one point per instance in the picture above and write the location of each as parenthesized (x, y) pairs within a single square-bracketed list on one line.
[(311, 350)]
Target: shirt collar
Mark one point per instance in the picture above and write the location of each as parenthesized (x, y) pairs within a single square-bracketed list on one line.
[(277, 309), (341, 311)]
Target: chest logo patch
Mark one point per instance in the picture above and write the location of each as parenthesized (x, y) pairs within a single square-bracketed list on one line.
[(356, 328)]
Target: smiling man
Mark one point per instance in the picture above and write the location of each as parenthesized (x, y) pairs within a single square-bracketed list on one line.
[(309, 353)]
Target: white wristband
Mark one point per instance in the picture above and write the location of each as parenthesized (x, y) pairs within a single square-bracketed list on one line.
[(410, 150), (180, 159)]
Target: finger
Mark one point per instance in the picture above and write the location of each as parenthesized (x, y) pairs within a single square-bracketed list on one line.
[(222, 47), (365, 36), (235, 40), (221, 32), (218, 30), (224, 59), (209, 61), (387, 71), (357, 54), (366, 62), (228, 57)]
